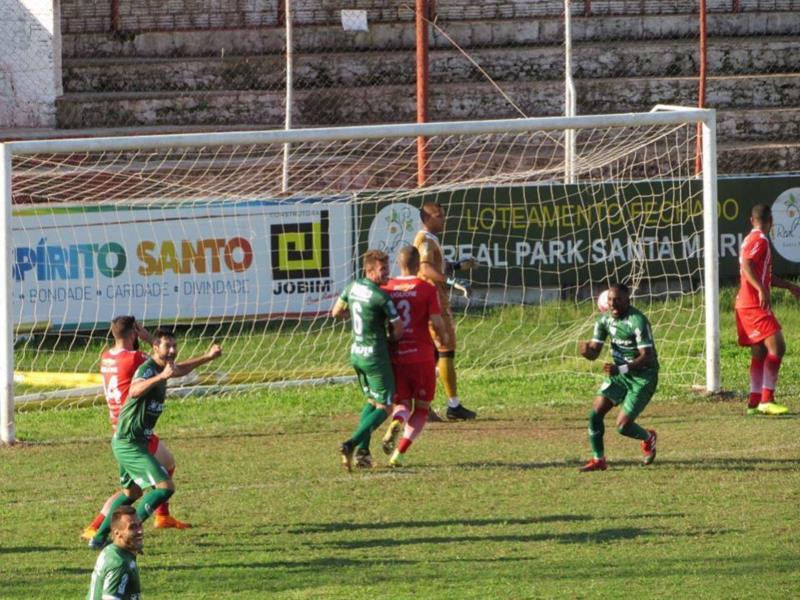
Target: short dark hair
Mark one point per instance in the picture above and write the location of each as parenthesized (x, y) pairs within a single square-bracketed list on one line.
[(620, 287), (424, 210), (374, 256), (761, 212), (408, 257), (122, 326), (162, 332), (121, 511)]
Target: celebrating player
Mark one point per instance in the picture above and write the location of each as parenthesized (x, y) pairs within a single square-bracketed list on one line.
[(373, 313), (756, 324), (414, 355), (116, 574), (117, 367), (138, 468), (436, 271), (631, 378)]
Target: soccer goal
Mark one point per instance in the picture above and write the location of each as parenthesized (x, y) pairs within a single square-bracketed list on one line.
[(202, 233)]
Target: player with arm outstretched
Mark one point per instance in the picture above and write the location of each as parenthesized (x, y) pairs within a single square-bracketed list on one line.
[(436, 271), (138, 468), (756, 324), (117, 366), (414, 355), (372, 314), (631, 378)]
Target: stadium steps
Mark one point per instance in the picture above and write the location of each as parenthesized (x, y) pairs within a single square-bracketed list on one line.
[(592, 61), (396, 103), (482, 33), (763, 157)]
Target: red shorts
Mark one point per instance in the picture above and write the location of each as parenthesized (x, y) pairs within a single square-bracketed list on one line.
[(754, 325), (152, 444), (415, 381)]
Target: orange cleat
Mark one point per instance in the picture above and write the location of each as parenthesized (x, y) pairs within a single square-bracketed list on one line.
[(649, 448), (169, 522), (596, 464)]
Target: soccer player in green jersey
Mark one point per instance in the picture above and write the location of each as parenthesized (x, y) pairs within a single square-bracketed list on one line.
[(373, 315), (116, 575), (631, 378), (138, 469)]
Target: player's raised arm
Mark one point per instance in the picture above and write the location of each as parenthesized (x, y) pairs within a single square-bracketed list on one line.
[(139, 387), (187, 366), (143, 333)]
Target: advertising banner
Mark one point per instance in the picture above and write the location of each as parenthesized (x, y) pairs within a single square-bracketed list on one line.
[(566, 236), (79, 266)]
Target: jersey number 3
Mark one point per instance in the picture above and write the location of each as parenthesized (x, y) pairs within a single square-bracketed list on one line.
[(404, 308)]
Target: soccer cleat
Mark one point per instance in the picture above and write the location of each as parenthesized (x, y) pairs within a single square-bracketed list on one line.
[(390, 438), (169, 522), (649, 447), (460, 413), (95, 544), (752, 410), (88, 533), (596, 464), (397, 460), (772, 408), (434, 417), (363, 459), (347, 450)]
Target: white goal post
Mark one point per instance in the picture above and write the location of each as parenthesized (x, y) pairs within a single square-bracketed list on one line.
[(204, 174)]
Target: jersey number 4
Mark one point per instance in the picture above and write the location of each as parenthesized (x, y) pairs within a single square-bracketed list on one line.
[(113, 393)]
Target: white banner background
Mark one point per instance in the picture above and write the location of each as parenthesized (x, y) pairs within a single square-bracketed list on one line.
[(65, 262)]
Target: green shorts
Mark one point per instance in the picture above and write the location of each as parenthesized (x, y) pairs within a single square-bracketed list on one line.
[(633, 392), (137, 465), (376, 379)]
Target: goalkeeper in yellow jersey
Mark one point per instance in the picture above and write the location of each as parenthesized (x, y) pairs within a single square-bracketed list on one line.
[(436, 271)]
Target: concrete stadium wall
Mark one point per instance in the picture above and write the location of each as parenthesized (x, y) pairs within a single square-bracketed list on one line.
[(30, 62)]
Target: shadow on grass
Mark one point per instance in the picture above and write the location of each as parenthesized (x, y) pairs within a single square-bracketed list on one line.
[(304, 528), (737, 463), (713, 463), (31, 549), (593, 537)]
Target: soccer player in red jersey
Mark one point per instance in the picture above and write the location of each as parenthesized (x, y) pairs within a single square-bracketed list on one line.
[(756, 324), (117, 367), (413, 356)]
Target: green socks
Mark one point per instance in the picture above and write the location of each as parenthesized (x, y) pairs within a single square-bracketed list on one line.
[(365, 414), (105, 528), (151, 501), (596, 431), (632, 430), (370, 421)]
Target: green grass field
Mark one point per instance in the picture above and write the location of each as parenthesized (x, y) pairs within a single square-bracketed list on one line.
[(489, 509)]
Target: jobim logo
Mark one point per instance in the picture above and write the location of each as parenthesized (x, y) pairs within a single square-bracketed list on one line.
[(301, 251)]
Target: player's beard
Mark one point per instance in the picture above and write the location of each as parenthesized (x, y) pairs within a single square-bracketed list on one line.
[(136, 344)]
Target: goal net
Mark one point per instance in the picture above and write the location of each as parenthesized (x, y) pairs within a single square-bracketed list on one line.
[(201, 233)]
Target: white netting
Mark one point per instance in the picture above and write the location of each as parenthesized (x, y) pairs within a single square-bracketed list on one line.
[(203, 239)]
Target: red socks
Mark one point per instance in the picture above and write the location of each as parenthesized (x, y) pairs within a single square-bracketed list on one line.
[(414, 426), (756, 381), (772, 365)]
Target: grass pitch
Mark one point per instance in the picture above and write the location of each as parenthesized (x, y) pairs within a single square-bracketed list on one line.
[(489, 509)]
